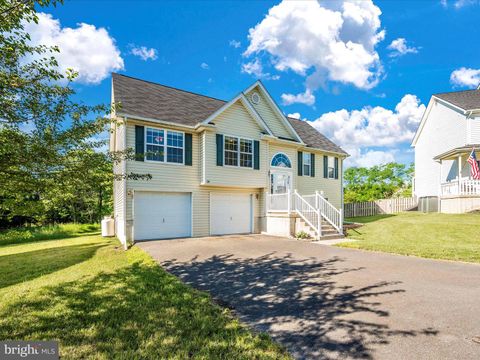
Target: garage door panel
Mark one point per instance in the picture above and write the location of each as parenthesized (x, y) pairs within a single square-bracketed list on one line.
[(230, 213), (162, 215)]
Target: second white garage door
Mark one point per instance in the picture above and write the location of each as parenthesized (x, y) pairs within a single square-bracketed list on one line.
[(160, 215), (230, 213)]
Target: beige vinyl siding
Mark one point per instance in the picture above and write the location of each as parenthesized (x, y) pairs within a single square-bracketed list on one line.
[(180, 178), (332, 188), (269, 115), (235, 121), (307, 185)]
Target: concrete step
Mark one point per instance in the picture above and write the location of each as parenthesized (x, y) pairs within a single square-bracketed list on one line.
[(332, 237)]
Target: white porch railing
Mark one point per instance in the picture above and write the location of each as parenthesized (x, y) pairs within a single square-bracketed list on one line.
[(465, 186), (333, 215), (308, 213), (312, 208)]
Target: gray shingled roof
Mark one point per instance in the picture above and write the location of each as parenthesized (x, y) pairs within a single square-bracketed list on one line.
[(155, 101), (466, 100), (312, 137)]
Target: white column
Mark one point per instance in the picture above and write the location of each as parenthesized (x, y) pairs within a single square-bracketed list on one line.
[(459, 174)]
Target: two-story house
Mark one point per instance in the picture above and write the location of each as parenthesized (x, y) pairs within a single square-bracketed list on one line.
[(448, 132), (219, 167)]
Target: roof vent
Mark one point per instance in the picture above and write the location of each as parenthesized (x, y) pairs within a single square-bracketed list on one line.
[(255, 98)]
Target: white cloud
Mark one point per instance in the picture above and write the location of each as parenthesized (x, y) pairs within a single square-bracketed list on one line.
[(330, 40), (294, 115), (255, 68), (369, 158), (462, 3), (306, 98), (358, 131), (89, 50), (399, 47), (204, 66), (144, 53), (465, 77), (236, 44), (458, 4)]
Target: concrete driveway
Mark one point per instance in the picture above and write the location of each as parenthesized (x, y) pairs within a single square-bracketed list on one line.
[(326, 302)]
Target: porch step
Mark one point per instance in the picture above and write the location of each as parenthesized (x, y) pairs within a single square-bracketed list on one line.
[(328, 231), (332, 237)]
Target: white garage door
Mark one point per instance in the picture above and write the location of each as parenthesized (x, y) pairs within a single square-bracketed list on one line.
[(230, 213), (162, 215)]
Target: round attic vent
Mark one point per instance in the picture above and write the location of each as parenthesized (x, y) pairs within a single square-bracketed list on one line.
[(255, 98)]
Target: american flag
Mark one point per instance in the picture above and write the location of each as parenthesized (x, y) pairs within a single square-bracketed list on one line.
[(475, 170)]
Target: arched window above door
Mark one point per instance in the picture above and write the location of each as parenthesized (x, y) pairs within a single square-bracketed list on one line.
[(281, 160)]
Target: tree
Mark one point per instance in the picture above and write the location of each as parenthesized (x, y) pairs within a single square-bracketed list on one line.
[(50, 166), (377, 182)]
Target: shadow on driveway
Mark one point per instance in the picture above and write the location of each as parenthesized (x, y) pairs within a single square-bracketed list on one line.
[(299, 302)]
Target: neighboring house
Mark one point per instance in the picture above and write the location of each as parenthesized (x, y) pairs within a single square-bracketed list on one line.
[(449, 130), (215, 165)]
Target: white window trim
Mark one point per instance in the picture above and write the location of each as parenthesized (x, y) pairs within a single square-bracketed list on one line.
[(238, 152), (280, 167), (165, 146), (309, 163)]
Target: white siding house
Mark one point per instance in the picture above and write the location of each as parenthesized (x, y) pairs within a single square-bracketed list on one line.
[(449, 130)]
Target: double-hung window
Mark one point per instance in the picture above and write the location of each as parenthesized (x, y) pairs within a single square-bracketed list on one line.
[(307, 164), (238, 152), (331, 167), (246, 153), (174, 147), (164, 146), (155, 144)]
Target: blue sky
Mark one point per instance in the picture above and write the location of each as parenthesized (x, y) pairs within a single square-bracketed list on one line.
[(333, 62)]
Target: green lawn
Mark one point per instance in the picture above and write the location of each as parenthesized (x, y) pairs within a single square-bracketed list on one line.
[(101, 302), (437, 236)]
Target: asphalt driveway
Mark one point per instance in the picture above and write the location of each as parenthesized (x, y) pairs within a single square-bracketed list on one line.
[(326, 302)]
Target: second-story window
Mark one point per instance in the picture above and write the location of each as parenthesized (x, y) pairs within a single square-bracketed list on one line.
[(238, 152), (331, 167), (174, 147), (231, 151), (307, 164), (246, 153), (161, 149), (155, 145)]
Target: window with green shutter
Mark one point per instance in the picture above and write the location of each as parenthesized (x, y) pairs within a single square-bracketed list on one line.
[(300, 163)]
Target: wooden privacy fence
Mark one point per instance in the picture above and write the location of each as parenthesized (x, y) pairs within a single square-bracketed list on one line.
[(384, 206)]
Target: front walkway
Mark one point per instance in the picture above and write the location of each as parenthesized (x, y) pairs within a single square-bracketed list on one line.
[(326, 302)]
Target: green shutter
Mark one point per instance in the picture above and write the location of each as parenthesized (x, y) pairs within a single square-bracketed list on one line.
[(312, 167), (300, 163), (219, 150), (256, 155), (139, 143), (336, 168), (188, 149), (325, 166)]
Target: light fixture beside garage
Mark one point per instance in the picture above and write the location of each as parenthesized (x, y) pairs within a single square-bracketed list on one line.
[(130, 192)]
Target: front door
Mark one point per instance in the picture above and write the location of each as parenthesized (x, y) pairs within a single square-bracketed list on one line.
[(280, 182)]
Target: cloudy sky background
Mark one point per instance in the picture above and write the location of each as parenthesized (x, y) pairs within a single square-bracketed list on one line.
[(361, 72)]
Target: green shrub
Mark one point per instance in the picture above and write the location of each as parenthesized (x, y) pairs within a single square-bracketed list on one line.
[(302, 235)]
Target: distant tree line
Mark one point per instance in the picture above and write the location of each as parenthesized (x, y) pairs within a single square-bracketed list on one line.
[(377, 182)]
